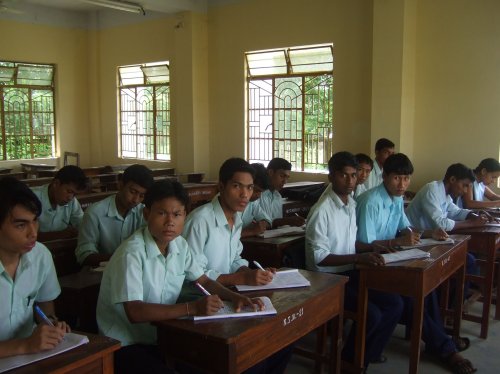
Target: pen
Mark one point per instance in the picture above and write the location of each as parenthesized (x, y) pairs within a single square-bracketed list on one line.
[(43, 316), (259, 265), (202, 289)]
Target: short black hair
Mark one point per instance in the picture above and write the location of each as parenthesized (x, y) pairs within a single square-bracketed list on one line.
[(138, 174), (261, 178), (164, 189), (278, 163), (490, 164), (383, 143), (340, 160), (399, 164), (234, 165), (364, 159), (14, 192), (72, 174), (459, 171)]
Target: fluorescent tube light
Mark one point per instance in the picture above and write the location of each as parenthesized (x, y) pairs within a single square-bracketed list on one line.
[(119, 5)]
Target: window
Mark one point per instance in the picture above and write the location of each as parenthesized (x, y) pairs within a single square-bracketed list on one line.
[(144, 94), (290, 105), (27, 115)]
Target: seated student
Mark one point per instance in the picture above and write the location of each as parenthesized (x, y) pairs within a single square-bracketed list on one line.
[(213, 230), (481, 196), (380, 216), (61, 212), (255, 220), (330, 247), (27, 275), (271, 201), (110, 221), (365, 166), (143, 279), (383, 149)]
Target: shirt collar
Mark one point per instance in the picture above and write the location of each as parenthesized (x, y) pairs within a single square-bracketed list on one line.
[(220, 217), (351, 204), (112, 209), (152, 249)]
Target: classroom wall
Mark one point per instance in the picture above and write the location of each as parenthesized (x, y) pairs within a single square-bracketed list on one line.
[(259, 24)]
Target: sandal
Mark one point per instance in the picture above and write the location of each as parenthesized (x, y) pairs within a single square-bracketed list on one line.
[(460, 365), (461, 343)]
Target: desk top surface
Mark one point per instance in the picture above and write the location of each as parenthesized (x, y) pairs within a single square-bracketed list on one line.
[(288, 239)]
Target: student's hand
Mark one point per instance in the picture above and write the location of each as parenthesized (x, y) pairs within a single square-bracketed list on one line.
[(439, 234), (63, 326), (259, 227), (207, 306), (379, 248), (44, 337), (257, 277), (477, 219), (411, 238), (370, 258), (239, 301), (488, 216), (296, 221)]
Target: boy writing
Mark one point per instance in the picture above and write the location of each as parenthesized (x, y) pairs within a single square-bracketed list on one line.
[(27, 275), (112, 220)]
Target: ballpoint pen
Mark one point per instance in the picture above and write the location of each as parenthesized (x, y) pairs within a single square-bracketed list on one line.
[(259, 265), (202, 289), (43, 316)]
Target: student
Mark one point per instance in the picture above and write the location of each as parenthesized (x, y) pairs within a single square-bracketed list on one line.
[(365, 166), (143, 279), (61, 212), (380, 216), (271, 201), (255, 220), (110, 221), (213, 230), (27, 275), (383, 149), (330, 247), (481, 196)]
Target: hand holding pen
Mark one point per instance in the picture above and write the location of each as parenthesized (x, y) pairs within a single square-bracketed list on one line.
[(262, 276), (45, 336), (208, 305)]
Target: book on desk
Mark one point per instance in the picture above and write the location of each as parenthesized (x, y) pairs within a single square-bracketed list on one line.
[(228, 311), (282, 279)]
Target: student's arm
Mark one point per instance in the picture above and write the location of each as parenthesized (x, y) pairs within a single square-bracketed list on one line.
[(470, 203), (473, 220), (247, 276), (490, 195), (254, 229), (44, 337), (365, 258), (86, 251)]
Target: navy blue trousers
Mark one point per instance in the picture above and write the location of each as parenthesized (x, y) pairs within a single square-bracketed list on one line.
[(383, 314)]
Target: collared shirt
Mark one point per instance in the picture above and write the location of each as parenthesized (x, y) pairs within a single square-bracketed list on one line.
[(360, 188), (216, 246), (103, 228), (375, 177), (61, 217), (379, 216), (478, 189), (271, 203), (432, 208), (36, 280), (254, 212), (330, 229), (139, 271)]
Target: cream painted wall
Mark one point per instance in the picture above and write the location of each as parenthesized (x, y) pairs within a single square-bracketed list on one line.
[(259, 24), (457, 85), (67, 48)]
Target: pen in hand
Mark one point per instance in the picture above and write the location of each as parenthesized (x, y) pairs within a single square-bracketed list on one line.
[(259, 265), (204, 291), (42, 315)]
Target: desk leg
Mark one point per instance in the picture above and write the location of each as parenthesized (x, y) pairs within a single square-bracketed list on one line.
[(459, 297), (336, 345), (416, 332), (497, 308), (359, 352), (488, 287)]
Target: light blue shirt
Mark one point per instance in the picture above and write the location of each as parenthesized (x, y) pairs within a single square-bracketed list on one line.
[(432, 208), (103, 228), (271, 203), (330, 229), (217, 247), (138, 271), (379, 216), (375, 177), (61, 217), (36, 280), (254, 212)]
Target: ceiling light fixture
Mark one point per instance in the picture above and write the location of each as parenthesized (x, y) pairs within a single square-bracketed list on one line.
[(119, 5)]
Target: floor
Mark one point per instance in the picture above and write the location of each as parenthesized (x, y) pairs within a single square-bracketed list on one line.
[(484, 354)]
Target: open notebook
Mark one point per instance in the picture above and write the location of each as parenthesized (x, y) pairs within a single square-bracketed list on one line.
[(70, 341), (408, 254), (283, 231), (228, 311), (282, 279), (428, 241)]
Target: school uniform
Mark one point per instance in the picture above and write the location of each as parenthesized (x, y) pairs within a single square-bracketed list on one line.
[(217, 247), (35, 281), (358, 190), (254, 213), (478, 189), (103, 229), (375, 177), (60, 217), (331, 229), (271, 203), (380, 217)]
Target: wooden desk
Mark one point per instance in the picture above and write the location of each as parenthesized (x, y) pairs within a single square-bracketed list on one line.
[(234, 345), (200, 193), (32, 169), (485, 243), (414, 278), (300, 207), (35, 182), (94, 357), (63, 254), (88, 199), (283, 251), (78, 299)]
